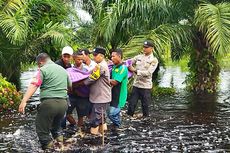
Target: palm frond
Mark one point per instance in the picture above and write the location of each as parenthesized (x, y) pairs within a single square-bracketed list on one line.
[(11, 6), (134, 46), (214, 22), (175, 38), (15, 27), (56, 32), (132, 16)]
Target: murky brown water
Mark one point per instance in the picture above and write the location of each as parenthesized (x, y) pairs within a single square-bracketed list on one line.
[(181, 123)]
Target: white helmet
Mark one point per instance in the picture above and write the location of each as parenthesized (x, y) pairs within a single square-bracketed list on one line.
[(67, 50)]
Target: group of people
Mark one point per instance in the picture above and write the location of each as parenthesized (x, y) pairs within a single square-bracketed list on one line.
[(102, 90)]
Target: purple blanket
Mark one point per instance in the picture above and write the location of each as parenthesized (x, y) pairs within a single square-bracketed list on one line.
[(76, 75)]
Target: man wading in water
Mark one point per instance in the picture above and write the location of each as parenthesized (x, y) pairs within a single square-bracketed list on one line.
[(64, 62), (119, 82), (100, 91), (53, 94), (146, 64)]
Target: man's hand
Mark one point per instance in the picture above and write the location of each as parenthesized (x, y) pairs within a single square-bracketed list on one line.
[(30, 91), (96, 73), (132, 69), (78, 84), (21, 108), (113, 82)]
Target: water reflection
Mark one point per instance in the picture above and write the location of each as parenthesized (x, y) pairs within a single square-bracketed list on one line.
[(203, 102)]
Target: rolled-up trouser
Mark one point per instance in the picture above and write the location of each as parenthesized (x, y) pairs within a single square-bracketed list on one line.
[(48, 120), (96, 113), (114, 115)]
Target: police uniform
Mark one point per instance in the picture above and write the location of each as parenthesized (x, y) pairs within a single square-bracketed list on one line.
[(145, 66)]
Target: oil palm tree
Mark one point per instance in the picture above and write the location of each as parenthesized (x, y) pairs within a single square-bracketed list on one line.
[(196, 28), (28, 27)]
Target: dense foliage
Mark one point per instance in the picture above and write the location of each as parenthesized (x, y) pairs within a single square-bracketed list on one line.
[(28, 27), (9, 96), (198, 29)]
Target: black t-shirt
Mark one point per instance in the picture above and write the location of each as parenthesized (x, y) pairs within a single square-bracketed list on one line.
[(61, 63), (116, 95)]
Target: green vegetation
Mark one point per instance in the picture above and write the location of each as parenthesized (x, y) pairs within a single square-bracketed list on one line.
[(27, 66), (28, 27), (199, 30), (160, 91), (9, 97)]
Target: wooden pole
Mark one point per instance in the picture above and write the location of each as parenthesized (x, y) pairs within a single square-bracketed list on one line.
[(103, 134)]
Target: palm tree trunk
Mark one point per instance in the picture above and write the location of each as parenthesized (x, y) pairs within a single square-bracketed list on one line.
[(204, 67)]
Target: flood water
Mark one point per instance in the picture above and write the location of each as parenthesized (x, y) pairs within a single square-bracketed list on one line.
[(183, 122)]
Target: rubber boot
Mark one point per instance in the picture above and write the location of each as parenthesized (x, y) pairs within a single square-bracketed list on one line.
[(103, 127), (50, 145), (94, 131)]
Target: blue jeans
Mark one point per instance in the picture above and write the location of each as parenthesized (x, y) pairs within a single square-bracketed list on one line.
[(114, 115)]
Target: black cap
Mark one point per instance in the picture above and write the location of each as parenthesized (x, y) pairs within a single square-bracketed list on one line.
[(98, 50), (148, 43), (86, 51)]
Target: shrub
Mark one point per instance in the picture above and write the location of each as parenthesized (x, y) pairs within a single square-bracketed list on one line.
[(9, 96), (161, 91)]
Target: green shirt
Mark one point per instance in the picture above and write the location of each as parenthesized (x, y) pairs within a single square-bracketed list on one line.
[(119, 92), (54, 81)]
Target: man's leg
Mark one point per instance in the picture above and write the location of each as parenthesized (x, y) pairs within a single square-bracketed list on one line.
[(83, 109), (44, 121), (80, 121), (114, 115), (61, 105), (146, 99), (63, 122), (70, 109), (96, 116), (132, 102)]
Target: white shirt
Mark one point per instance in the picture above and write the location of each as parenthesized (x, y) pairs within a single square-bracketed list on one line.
[(91, 66)]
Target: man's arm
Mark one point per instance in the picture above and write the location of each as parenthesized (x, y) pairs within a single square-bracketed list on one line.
[(35, 83), (78, 84), (113, 82), (30, 91), (150, 70), (132, 69), (94, 76), (134, 59), (119, 76)]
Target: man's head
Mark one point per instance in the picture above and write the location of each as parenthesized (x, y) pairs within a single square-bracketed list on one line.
[(77, 57), (67, 52), (85, 52), (147, 47), (99, 54), (42, 58), (117, 56)]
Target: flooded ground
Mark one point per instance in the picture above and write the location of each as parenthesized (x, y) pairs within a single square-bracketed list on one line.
[(180, 123)]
